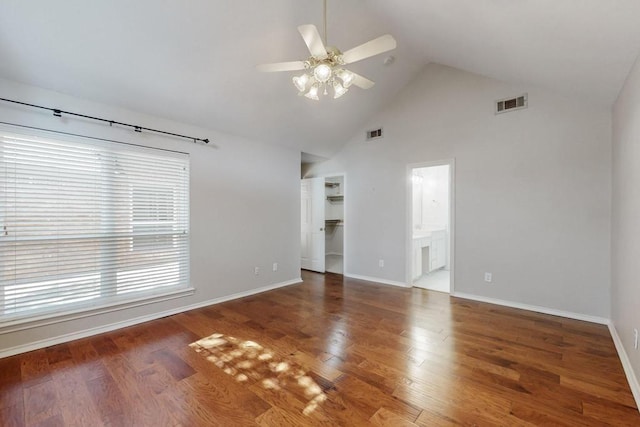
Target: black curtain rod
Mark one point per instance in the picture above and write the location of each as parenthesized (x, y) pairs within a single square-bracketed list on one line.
[(58, 113)]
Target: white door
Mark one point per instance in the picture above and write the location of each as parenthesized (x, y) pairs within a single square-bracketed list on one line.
[(312, 236)]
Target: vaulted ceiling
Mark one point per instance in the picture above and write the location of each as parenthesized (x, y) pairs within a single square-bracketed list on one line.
[(194, 61)]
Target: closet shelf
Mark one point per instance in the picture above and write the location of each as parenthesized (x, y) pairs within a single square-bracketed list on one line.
[(331, 184), (333, 221), (337, 198)]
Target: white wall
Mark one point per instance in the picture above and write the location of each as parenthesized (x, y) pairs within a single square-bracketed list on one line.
[(532, 196), (431, 197), (245, 202), (625, 241)]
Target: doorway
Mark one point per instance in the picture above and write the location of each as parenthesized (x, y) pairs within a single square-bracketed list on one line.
[(430, 235), (334, 224), (322, 221)]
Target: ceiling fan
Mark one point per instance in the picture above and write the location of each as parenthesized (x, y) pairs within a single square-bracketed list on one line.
[(324, 68)]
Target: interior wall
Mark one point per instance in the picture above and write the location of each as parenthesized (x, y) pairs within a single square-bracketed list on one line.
[(532, 195), (244, 204), (625, 244)]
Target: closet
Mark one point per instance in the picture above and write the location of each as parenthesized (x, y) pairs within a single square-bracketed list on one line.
[(334, 224)]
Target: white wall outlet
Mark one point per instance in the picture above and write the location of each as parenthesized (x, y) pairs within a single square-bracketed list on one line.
[(256, 270), (488, 277), (635, 338), (380, 263), (275, 266)]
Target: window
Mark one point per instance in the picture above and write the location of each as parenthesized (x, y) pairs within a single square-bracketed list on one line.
[(87, 223)]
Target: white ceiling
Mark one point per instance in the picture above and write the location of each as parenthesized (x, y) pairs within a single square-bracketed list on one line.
[(195, 61)]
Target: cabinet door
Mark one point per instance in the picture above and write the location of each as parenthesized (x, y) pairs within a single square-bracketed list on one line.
[(437, 259), (442, 254), (417, 260)]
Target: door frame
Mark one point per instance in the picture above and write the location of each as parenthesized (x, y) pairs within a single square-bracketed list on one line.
[(409, 219)]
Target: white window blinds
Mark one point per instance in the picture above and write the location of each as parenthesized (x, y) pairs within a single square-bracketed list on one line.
[(86, 223)]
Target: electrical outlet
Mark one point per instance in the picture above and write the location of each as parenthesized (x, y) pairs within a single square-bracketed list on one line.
[(381, 263), (256, 270), (275, 266), (488, 277), (635, 338)]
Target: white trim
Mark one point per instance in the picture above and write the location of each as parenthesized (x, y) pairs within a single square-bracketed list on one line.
[(626, 364), (52, 318), (23, 348), (536, 308), (377, 280)]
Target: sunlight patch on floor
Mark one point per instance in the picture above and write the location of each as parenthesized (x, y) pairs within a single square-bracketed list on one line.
[(248, 361)]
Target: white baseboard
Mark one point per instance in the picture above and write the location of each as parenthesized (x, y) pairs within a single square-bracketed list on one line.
[(626, 364), (23, 348), (538, 309), (377, 280)]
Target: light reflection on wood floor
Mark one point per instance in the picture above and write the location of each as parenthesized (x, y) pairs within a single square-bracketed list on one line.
[(249, 362), (371, 354)]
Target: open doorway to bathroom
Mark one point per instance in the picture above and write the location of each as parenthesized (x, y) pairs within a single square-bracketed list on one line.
[(431, 226)]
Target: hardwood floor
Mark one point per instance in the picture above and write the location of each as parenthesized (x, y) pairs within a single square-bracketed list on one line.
[(328, 352)]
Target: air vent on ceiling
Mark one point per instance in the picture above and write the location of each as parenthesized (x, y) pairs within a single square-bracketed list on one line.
[(374, 134), (511, 104)]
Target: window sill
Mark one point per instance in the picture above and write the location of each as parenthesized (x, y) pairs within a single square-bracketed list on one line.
[(68, 315)]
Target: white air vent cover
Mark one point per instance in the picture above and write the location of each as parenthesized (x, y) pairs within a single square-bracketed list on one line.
[(374, 134), (511, 104)]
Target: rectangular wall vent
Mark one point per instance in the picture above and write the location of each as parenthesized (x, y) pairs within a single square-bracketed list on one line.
[(511, 104), (374, 134)]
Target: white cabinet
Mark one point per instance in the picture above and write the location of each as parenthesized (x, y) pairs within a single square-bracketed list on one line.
[(420, 245), (429, 253), (438, 250)]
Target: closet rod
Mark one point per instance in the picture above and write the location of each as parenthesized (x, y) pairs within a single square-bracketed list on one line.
[(58, 113)]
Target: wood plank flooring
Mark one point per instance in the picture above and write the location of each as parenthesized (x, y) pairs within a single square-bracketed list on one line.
[(329, 351)]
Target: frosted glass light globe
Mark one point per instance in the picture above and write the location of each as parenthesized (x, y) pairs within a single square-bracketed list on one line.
[(347, 77), (338, 90), (322, 73), (313, 93), (301, 82)]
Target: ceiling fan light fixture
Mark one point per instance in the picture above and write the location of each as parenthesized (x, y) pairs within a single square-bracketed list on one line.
[(338, 90), (346, 76), (322, 73), (322, 70), (313, 93), (301, 82)]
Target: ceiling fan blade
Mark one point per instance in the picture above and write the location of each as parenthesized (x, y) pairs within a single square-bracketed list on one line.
[(371, 48), (282, 66), (362, 82), (313, 40)]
